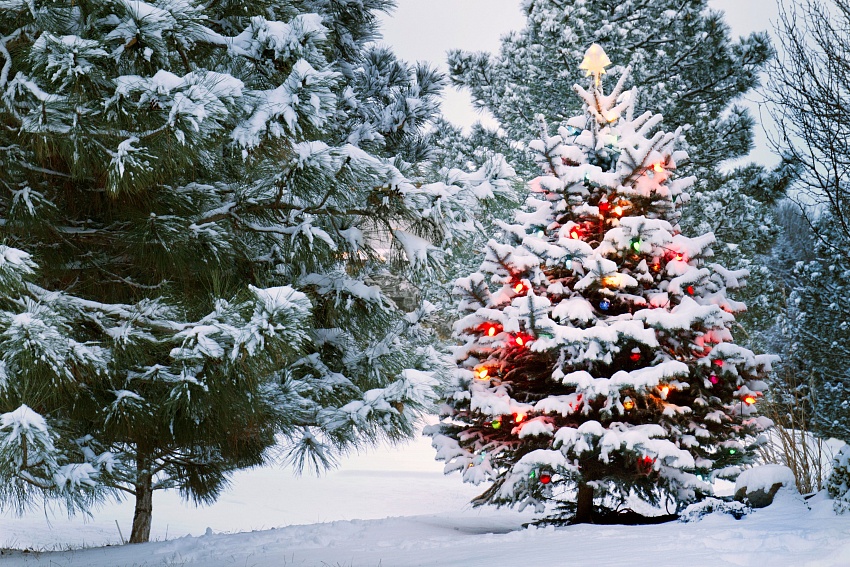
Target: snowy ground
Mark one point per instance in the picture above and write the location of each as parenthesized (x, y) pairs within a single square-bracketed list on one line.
[(394, 508)]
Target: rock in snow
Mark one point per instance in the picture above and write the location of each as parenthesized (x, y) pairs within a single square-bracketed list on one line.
[(759, 485)]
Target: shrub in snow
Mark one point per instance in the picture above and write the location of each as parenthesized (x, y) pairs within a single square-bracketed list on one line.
[(838, 484), (699, 510), (596, 360)]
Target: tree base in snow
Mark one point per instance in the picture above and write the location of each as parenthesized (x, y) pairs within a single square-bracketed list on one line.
[(625, 517)]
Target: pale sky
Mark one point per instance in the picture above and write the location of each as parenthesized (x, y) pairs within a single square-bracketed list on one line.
[(423, 30)]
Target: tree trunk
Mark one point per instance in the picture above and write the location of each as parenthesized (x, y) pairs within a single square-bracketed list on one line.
[(144, 503), (584, 504)]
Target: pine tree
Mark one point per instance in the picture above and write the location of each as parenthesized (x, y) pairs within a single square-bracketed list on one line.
[(199, 205), (813, 331), (596, 360)]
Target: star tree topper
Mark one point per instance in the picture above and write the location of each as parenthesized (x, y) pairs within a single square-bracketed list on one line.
[(594, 62)]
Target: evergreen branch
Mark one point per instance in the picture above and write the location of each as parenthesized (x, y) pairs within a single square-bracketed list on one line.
[(121, 311), (46, 171), (235, 211), (7, 57), (30, 479), (121, 487)]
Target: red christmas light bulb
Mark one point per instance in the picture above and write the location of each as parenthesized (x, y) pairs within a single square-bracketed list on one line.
[(635, 356), (545, 479), (690, 290), (490, 329), (644, 465), (750, 400), (604, 206)]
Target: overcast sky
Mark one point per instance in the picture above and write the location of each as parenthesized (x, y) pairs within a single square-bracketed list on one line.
[(423, 30)]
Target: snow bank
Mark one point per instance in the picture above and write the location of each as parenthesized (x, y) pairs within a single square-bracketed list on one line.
[(764, 477), (784, 535)]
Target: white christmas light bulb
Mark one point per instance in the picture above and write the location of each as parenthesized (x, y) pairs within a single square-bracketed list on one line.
[(594, 62)]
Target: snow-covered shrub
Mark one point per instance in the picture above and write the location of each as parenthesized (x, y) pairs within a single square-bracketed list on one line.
[(838, 484), (699, 510)]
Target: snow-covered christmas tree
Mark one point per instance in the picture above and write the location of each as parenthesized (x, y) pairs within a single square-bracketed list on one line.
[(597, 363)]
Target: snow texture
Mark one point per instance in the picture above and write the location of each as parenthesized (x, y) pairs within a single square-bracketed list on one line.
[(764, 477), (395, 507)]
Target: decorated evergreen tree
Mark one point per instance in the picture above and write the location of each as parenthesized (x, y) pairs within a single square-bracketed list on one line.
[(597, 362), (199, 204)]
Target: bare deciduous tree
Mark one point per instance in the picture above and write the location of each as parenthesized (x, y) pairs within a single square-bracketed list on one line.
[(809, 86)]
